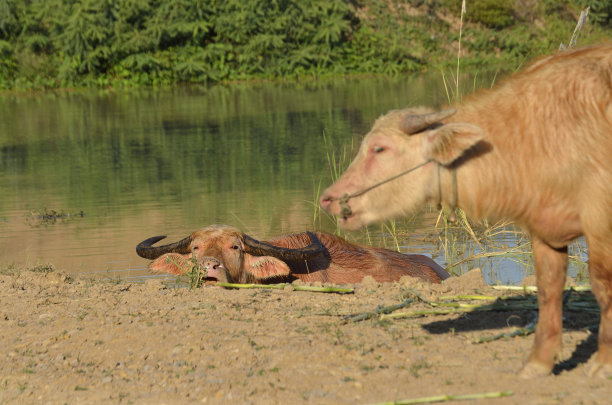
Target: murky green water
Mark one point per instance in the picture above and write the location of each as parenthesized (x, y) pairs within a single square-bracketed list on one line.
[(113, 168)]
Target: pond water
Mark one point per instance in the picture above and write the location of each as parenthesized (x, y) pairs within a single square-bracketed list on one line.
[(85, 176)]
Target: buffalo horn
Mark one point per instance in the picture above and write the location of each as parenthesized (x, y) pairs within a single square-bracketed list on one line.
[(257, 248), (415, 123), (146, 250)]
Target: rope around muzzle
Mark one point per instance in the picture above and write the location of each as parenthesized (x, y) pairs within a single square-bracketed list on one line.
[(345, 209)]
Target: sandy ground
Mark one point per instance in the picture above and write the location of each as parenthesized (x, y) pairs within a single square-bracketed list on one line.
[(77, 341)]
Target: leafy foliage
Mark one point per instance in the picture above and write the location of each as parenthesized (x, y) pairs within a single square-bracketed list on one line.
[(65, 43), (601, 11), (492, 13)]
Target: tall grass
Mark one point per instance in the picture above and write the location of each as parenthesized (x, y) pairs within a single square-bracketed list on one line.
[(463, 10), (338, 160)]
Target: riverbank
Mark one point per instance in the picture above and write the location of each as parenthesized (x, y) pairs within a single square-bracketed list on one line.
[(79, 340)]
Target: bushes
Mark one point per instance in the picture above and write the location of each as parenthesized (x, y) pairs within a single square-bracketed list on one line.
[(495, 14), (65, 43), (601, 11), (165, 41)]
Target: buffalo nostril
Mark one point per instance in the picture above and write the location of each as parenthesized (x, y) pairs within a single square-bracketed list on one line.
[(325, 201)]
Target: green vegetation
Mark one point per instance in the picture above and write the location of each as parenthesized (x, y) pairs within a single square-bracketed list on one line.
[(115, 43), (194, 275), (13, 270)]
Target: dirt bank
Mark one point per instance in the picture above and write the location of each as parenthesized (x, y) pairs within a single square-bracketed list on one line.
[(87, 341)]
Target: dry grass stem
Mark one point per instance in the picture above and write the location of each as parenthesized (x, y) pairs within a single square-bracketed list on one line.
[(447, 398)]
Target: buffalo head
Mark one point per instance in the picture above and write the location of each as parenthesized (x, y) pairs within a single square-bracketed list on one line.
[(242, 258), (399, 141)]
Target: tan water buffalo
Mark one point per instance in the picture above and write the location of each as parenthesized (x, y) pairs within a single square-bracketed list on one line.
[(536, 149), (308, 256)]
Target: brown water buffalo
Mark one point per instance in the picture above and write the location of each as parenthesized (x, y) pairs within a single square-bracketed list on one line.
[(309, 256), (537, 150)]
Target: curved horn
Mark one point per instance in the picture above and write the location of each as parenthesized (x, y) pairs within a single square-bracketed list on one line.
[(146, 250), (415, 123), (257, 248)]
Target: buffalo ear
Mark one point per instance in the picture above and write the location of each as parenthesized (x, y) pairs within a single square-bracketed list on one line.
[(450, 141), (173, 263), (265, 267)]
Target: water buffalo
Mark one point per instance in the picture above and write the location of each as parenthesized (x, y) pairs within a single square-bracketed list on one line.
[(309, 256), (536, 149)]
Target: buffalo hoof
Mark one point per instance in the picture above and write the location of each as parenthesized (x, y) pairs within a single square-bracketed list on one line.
[(534, 369), (595, 368)]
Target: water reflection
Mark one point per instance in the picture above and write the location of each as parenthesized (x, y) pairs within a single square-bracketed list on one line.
[(146, 162)]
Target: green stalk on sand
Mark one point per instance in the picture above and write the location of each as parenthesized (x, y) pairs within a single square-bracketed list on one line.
[(532, 288), (447, 398), (501, 304), (378, 311), (524, 331), (282, 286)]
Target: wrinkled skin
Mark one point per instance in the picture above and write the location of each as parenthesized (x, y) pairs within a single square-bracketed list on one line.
[(340, 263), (535, 150)]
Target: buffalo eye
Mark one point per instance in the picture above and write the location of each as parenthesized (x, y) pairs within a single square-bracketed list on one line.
[(235, 247), (194, 248), (378, 149)]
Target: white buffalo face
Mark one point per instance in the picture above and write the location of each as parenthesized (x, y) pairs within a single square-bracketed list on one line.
[(395, 145)]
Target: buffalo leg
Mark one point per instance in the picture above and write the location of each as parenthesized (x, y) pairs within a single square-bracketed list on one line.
[(550, 267), (600, 270)]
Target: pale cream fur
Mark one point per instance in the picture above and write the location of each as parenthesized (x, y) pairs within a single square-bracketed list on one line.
[(542, 158)]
